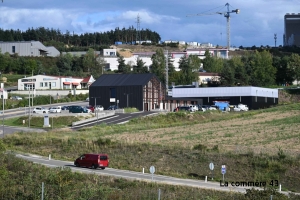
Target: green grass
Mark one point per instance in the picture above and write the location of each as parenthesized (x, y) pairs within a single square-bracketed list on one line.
[(169, 158), (130, 110), (38, 122)]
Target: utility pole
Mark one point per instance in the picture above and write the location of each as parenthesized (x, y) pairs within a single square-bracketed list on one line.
[(275, 38), (138, 33)]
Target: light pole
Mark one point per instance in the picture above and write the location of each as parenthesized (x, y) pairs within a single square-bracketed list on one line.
[(3, 109), (127, 98), (29, 108), (95, 109)]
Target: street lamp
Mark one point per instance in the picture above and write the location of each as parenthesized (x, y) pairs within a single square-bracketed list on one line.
[(95, 109)]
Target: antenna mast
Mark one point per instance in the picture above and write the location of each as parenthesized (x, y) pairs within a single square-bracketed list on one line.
[(138, 31)]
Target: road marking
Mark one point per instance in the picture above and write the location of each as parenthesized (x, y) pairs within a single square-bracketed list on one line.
[(94, 122)]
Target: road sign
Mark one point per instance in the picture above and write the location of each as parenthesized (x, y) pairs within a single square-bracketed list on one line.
[(152, 169), (223, 169), (211, 166)]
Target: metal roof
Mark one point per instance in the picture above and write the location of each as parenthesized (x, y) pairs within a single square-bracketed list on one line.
[(123, 80)]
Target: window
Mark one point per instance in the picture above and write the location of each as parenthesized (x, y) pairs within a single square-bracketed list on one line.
[(46, 84), (103, 157), (112, 92), (41, 84), (53, 84), (13, 49)]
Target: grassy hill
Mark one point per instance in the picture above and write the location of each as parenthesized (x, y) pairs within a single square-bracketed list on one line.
[(261, 145)]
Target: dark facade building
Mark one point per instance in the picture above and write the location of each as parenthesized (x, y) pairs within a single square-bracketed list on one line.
[(142, 91), (291, 35)]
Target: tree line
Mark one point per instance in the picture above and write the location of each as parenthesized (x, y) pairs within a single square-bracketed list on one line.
[(257, 68), (64, 65), (70, 41)]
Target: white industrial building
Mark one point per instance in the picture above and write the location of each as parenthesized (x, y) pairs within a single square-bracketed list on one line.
[(28, 48), (253, 97)]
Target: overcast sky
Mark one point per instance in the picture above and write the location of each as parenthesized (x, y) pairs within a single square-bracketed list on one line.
[(256, 23)]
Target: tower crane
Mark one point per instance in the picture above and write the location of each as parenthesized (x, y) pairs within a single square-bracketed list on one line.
[(227, 15)]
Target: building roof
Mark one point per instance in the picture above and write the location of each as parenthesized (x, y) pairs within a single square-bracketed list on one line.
[(86, 80), (123, 80)]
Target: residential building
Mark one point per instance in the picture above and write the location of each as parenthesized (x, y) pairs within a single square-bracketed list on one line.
[(28, 48), (43, 82)]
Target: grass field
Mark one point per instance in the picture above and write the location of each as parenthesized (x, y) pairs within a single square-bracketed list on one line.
[(260, 145)]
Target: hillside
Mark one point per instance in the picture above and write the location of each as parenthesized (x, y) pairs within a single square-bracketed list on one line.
[(259, 145), (127, 50)]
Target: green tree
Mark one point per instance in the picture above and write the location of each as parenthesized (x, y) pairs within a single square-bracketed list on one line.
[(89, 60), (284, 71), (189, 69), (208, 62), (294, 65), (263, 73), (158, 66), (122, 67), (97, 69), (227, 75), (212, 63), (64, 64), (140, 67)]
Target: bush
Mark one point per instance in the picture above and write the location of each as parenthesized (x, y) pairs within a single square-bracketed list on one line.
[(2, 146)]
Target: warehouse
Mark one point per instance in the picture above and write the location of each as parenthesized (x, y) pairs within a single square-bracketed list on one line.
[(254, 97), (142, 91)]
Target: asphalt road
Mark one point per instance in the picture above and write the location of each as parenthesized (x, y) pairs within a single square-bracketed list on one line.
[(16, 112), (133, 175), (118, 118)]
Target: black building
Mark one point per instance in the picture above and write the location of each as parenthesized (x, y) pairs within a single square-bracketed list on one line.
[(291, 35), (142, 91)]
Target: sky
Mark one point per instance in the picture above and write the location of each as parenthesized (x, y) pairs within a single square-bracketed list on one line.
[(256, 23)]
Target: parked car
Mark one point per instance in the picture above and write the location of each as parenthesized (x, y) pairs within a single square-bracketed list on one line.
[(92, 160), (193, 108), (65, 108), (243, 107), (206, 107), (55, 109), (16, 98), (182, 108), (77, 109), (113, 107), (99, 108), (200, 108), (234, 108), (40, 110), (91, 108), (87, 99), (213, 107)]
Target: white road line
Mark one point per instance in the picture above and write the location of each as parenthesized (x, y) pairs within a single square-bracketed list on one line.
[(93, 122)]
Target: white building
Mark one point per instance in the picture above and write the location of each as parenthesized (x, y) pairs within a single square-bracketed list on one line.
[(28, 48), (43, 82)]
